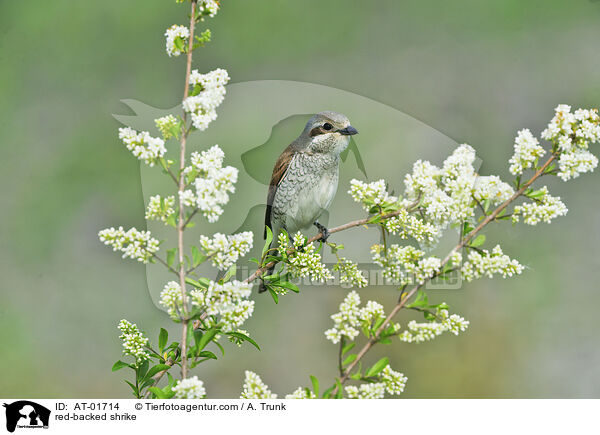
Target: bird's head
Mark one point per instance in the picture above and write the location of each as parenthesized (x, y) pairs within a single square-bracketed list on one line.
[(328, 132)]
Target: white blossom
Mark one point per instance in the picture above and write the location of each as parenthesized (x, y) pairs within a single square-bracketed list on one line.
[(255, 388), (171, 299), (142, 145), (572, 133), (486, 263), (134, 244), (349, 273), (366, 391), (303, 260), (189, 388), (177, 39), (577, 162), (134, 342), (301, 393), (346, 320), (544, 209), (228, 302), (208, 94), (160, 208), (527, 151), (225, 250), (405, 265), (166, 125), (371, 194), (208, 7), (394, 381), (406, 225), (492, 189), (212, 182), (426, 331)]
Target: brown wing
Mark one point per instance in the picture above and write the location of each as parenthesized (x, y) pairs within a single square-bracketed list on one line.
[(281, 166)]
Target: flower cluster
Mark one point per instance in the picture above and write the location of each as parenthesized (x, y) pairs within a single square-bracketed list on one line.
[(406, 225), (177, 38), (134, 342), (228, 303), (225, 250), (371, 194), (160, 208), (492, 189), (405, 265), (301, 393), (366, 391), (190, 388), (212, 181), (349, 273), (394, 381), (444, 193), (572, 133), (420, 332), (134, 244), (208, 94), (167, 125), (254, 388), (527, 151), (303, 260), (171, 299), (351, 317), (483, 263), (142, 145), (544, 209), (208, 7)]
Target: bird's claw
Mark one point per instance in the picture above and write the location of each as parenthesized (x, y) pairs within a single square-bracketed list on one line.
[(323, 230)]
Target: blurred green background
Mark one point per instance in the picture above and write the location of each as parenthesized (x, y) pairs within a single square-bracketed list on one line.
[(476, 71)]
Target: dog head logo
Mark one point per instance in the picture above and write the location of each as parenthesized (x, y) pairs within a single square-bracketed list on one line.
[(26, 414)]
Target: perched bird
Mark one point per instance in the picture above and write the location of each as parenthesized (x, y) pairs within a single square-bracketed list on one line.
[(305, 176)]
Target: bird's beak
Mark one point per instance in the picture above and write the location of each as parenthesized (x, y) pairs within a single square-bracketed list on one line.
[(348, 131)]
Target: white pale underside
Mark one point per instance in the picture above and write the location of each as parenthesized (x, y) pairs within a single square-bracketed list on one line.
[(312, 202)]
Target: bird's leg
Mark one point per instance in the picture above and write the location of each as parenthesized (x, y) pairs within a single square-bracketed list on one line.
[(324, 231)]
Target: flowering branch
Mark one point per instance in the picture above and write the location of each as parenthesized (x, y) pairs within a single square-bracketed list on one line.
[(181, 219)]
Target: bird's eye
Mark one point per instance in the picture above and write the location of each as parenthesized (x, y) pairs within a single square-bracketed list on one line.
[(327, 126)]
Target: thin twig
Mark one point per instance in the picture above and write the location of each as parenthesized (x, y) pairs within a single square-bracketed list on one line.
[(165, 264), (181, 220)]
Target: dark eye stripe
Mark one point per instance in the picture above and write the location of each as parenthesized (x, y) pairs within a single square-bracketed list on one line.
[(316, 131)]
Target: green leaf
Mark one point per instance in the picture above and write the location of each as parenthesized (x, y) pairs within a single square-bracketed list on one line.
[(315, 385), (377, 367), (119, 365), (207, 354), (134, 388), (230, 273), (273, 294), (347, 347), (200, 283), (163, 336), (327, 393), (160, 394), (478, 241), (142, 369), (197, 257), (154, 370), (243, 337), (206, 338), (171, 256), (349, 359), (268, 241)]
